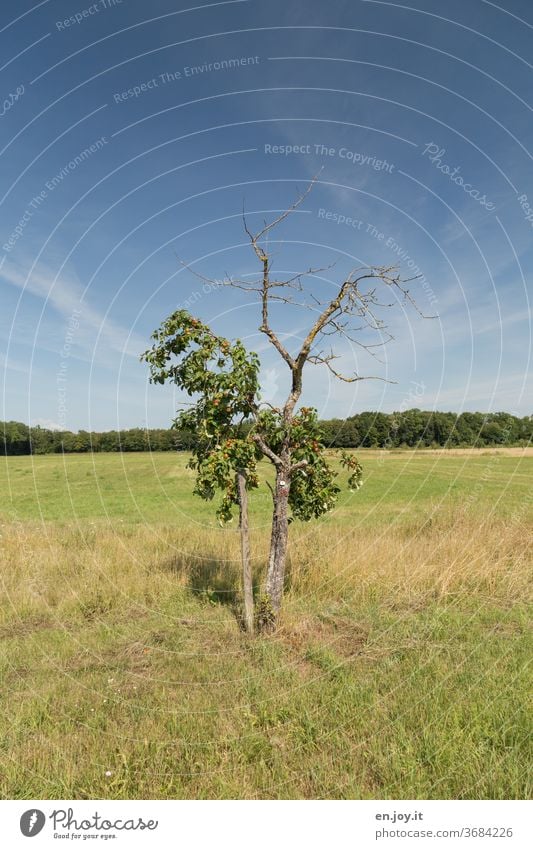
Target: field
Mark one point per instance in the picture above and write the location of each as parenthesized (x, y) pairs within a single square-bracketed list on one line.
[(400, 669)]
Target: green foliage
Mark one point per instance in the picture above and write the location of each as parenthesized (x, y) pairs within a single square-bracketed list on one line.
[(355, 480), (227, 417), (216, 468), (224, 377), (313, 490)]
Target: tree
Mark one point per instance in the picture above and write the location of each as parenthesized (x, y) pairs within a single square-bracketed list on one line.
[(235, 429), (16, 438)]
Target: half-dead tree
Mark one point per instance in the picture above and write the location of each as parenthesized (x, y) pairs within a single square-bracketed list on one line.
[(235, 429)]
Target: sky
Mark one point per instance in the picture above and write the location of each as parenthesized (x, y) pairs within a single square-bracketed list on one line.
[(132, 134)]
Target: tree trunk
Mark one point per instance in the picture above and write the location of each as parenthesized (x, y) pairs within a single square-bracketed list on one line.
[(247, 588), (278, 543)]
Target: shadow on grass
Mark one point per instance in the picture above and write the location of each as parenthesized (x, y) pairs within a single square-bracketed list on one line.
[(212, 580), (208, 578)]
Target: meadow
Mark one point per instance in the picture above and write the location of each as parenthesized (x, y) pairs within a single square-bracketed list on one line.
[(400, 669)]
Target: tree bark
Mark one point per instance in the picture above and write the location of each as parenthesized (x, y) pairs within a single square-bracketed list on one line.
[(247, 586), (278, 542)]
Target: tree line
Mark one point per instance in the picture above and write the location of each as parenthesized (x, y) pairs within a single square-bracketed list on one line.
[(406, 429)]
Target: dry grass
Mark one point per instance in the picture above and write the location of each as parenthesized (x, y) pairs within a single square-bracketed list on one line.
[(451, 554), (500, 451), (400, 669), (51, 573)]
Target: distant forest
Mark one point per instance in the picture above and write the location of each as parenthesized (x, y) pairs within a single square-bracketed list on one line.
[(406, 429)]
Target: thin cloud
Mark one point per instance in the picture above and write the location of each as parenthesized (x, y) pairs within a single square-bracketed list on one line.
[(66, 296)]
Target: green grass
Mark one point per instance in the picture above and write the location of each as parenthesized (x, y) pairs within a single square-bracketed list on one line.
[(400, 669), (147, 487)]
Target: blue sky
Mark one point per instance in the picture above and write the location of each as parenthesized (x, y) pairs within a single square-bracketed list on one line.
[(129, 140)]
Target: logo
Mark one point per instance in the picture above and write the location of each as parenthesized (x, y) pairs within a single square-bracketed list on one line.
[(32, 822)]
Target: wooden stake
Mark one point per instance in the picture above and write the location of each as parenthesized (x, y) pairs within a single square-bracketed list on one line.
[(247, 589)]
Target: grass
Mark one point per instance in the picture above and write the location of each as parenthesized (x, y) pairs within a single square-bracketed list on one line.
[(147, 487), (399, 671)]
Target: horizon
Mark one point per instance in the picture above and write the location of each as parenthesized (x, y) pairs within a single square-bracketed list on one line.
[(55, 429)]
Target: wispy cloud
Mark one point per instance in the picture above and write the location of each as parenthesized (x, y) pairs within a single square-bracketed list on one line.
[(66, 295), (13, 365)]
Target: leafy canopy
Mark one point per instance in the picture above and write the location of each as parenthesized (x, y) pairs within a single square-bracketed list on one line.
[(227, 417)]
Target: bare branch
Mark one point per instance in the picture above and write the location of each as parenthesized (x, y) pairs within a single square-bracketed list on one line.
[(266, 450), (259, 253), (244, 285), (353, 310), (197, 273), (267, 330), (326, 361), (265, 323), (300, 465), (266, 285), (266, 229)]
